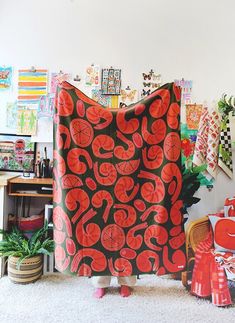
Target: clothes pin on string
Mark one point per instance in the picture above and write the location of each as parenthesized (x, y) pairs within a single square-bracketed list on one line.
[(128, 87)]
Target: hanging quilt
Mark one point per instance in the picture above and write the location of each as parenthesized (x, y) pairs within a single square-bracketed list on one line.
[(117, 185), (225, 148)]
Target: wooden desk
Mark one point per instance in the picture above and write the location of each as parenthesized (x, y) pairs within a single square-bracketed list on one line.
[(19, 186)]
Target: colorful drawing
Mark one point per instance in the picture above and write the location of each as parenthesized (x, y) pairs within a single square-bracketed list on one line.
[(188, 140), (186, 90), (128, 97), (5, 77), (11, 115), (17, 153), (104, 100), (92, 75), (57, 78), (31, 86), (193, 115), (111, 81), (46, 106), (26, 120)]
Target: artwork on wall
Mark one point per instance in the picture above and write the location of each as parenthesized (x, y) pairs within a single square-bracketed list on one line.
[(128, 97), (17, 153), (11, 115), (225, 149), (193, 115), (46, 106), (111, 81), (92, 75), (97, 96), (151, 81), (5, 77), (26, 120), (32, 84), (186, 90), (57, 78), (188, 141), (157, 81)]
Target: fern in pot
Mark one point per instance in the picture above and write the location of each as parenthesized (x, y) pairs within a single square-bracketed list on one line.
[(25, 255)]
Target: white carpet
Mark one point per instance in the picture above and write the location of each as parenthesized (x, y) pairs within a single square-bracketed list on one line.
[(58, 298)]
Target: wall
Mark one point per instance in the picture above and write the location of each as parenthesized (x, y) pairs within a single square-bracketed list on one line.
[(190, 39)]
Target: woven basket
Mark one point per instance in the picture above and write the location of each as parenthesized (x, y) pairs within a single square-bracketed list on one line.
[(30, 269)]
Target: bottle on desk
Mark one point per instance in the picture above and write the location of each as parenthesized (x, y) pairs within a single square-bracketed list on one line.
[(45, 168), (37, 170)]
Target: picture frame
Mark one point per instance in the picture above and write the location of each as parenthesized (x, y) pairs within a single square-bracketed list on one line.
[(17, 153), (110, 81)]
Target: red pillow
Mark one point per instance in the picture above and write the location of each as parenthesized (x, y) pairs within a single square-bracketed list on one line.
[(224, 233), (229, 206)]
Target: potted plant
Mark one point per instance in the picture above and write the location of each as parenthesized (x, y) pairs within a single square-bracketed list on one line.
[(25, 255), (190, 185)]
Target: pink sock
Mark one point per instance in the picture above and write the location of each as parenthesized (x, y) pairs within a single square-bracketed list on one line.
[(99, 292), (125, 291)]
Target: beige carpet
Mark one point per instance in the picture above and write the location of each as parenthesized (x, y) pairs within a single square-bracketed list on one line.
[(58, 298)]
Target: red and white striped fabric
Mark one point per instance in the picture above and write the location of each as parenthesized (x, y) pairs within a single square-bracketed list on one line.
[(209, 278)]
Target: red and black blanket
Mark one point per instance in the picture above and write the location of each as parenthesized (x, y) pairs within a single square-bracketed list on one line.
[(117, 185)]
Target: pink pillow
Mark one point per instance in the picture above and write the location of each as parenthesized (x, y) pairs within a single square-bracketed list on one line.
[(224, 233)]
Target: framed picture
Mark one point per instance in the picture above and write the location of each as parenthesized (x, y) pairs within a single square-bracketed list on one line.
[(111, 81), (17, 153)]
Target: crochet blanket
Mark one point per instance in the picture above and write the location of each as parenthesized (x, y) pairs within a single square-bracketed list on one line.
[(117, 185)]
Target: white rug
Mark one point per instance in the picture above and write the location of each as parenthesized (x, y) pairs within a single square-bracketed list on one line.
[(58, 298)]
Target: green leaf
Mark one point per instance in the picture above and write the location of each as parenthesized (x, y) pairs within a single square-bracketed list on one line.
[(43, 251), (199, 169), (21, 259), (15, 243)]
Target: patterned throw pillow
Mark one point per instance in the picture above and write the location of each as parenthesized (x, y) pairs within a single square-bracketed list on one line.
[(229, 206), (224, 233)]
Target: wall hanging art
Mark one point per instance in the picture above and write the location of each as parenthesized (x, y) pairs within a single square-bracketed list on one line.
[(57, 78), (151, 81), (193, 115), (5, 77), (111, 81), (92, 77), (26, 120), (128, 97), (32, 84), (17, 153)]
